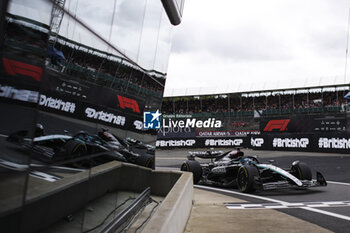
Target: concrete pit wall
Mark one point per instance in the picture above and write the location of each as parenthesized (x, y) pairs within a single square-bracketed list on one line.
[(47, 204)]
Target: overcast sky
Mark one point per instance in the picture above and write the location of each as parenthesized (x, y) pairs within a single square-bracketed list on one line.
[(221, 44)]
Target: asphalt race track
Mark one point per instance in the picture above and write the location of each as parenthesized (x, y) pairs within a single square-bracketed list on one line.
[(328, 207)]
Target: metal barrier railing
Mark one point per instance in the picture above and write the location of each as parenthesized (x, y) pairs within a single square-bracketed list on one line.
[(121, 220)]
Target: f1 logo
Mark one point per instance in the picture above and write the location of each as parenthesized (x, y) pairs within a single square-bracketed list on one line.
[(151, 120), (281, 125), (125, 102), (14, 68)]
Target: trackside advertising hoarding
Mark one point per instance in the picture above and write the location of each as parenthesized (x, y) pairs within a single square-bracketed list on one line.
[(285, 142), (201, 142), (188, 126), (114, 109), (320, 123), (316, 142), (317, 133), (330, 142)]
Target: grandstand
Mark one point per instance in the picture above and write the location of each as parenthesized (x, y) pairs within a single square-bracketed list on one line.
[(244, 110), (307, 100), (108, 70), (27, 40)]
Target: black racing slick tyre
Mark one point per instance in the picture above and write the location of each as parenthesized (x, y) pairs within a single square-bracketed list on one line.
[(194, 167), (301, 171), (145, 161), (245, 178), (75, 149)]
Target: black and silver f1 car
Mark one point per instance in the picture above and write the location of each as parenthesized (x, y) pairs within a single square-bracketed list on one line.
[(233, 169), (82, 150)]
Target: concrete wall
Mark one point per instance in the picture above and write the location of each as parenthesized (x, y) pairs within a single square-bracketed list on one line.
[(47, 204), (173, 213)]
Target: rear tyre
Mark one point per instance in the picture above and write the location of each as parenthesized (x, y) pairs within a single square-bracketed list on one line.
[(17, 136), (75, 149), (301, 171), (145, 161), (245, 178), (194, 167)]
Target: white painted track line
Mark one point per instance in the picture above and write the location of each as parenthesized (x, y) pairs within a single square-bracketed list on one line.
[(341, 183), (340, 216)]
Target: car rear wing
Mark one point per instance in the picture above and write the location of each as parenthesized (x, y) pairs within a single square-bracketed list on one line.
[(205, 154)]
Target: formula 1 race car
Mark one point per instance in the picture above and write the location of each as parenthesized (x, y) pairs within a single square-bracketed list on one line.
[(81, 150), (138, 145), (233, 169)]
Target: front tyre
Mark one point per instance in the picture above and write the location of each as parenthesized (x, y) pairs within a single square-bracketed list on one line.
[(194, 167), (145, 161), (75, 149), (245, 178), (301, 171)]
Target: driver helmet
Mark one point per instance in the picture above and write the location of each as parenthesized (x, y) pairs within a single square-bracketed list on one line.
[(39, 130), (235, 154), (82, 135), (106, 136)]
